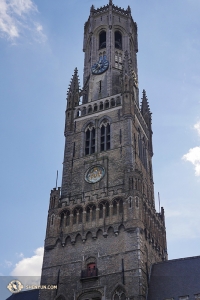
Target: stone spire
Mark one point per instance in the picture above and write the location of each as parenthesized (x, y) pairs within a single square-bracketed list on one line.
[(73, 91), (146, 113)]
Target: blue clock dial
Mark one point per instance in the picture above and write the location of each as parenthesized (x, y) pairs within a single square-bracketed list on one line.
[(101, 66)]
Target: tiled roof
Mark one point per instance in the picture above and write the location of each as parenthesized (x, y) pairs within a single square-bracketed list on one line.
[(27, 295), (175, 278)]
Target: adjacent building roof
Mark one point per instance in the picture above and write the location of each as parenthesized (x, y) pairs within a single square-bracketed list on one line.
[(27, 295), (175, 279)]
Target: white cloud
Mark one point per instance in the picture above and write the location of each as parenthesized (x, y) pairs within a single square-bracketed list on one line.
[(30, 266), (193, 156), (16, 17), (197, 127)]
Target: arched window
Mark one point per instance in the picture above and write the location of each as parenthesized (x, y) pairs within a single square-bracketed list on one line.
[(112, 102), (78, 215), (95, 107), (102, 40), (139, 144), (103, 206), (89, 109), (62, 219), (83, 111), (52, 219), (67, 218), (105, 136), (90, 211), (78, 113), (118, 40), (144, 155), (90, 140), (117, 206)]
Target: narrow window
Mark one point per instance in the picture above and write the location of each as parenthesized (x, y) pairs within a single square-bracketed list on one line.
[(101, 211), (90, 141), (95, 107), (88, 214), (120, 206), (102, 40), (93, 213), (62, 220), (105, 137), (118, 40), (74, 150), (100, 86), (107, 104), (67, 218), (107, 209), (115, 207)]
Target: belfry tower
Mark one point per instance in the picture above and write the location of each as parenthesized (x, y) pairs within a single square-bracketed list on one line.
[(103, 232)]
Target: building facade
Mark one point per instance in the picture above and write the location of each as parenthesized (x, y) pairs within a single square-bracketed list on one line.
[(103, 231)]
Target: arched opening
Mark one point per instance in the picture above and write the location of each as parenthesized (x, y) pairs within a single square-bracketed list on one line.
[(101, 106), (118, 40), (102, 40), (89, 109), (90, 141), (105, 136), (103, 207), (77, 215), (95, 107), (67, 218)]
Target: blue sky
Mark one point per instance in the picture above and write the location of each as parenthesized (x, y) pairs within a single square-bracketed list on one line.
[(41, 44)]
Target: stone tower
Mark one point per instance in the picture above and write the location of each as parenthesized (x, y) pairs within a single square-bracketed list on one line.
[(103, 232)]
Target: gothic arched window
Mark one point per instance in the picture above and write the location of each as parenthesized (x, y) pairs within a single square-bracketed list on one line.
[(117, 206), (78, 215), (67, 218), (62, 219), (118, 40), (102, 40), (105, 136), (103, 209), (90, 213), (90, 140)]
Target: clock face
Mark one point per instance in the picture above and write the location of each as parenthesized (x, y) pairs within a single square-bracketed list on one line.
[(101, 66), (94, 174)]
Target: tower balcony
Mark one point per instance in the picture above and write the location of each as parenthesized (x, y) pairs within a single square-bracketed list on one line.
[(89, 274), (97, 106)]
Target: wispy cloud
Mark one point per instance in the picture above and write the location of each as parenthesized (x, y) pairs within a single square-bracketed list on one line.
[(17, 17), (8, 263), (193, 154)]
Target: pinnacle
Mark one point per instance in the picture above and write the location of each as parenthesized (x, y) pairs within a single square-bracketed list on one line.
[(74, 82), (145, 104)]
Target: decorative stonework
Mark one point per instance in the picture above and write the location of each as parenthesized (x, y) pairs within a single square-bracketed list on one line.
[(94, 174)]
